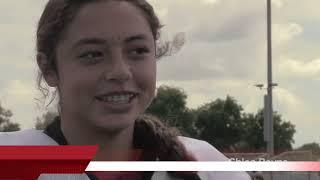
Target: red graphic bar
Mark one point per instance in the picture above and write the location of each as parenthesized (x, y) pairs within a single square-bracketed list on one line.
[(28, 162)]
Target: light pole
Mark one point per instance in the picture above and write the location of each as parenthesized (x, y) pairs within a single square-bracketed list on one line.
[(268, 98)]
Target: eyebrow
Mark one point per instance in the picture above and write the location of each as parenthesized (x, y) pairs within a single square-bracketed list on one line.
[(136, 37), (100, 41), (86, 41)]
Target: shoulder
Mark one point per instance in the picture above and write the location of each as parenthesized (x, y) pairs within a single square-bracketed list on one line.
[(203, 151), (26, 137)]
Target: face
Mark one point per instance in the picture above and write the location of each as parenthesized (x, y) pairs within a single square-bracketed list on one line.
[(106, 66)]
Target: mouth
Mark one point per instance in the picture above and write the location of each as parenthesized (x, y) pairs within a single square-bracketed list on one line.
[(123, 97)]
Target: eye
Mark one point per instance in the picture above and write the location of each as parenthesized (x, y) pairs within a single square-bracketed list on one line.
[(91, 57), (138, 53), (142, 50)]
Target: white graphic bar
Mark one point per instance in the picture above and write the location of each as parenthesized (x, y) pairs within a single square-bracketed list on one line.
[(201, 166)]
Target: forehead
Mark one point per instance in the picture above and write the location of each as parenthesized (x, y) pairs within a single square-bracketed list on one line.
[(109, 20)]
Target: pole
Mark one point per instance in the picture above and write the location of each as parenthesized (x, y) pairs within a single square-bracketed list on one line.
[(270, 143)]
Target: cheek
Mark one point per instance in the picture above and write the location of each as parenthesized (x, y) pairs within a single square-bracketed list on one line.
[(76, 83), (145, 77), (149, 76)]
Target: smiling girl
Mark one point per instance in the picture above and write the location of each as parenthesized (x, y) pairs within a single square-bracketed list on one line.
[(100, 56)]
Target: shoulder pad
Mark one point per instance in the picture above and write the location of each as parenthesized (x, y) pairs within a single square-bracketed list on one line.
[(26, 137), (204, 151)]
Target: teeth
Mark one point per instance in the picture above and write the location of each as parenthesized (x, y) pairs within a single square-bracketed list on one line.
[(118, 98)]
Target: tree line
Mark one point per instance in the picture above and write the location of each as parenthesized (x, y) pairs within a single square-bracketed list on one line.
[(221, 122)]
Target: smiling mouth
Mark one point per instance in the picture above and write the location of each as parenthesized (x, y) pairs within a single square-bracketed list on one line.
[(117, 97)]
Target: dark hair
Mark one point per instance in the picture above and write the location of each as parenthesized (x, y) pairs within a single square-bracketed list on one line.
[(149, 131)]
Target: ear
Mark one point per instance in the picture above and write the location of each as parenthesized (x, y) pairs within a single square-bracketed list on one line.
[(49, 74)]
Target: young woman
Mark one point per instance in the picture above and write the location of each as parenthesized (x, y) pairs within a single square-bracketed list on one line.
[(100, 55)]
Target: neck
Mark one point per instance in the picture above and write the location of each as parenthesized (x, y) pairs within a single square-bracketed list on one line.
[(113, 146)]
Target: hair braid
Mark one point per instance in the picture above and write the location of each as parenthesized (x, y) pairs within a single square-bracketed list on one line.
[(151, 134)]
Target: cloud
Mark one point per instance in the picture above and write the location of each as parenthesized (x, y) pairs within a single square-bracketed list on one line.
[(279, 3), (196, 61), (223, 40), (298, 68), (210, 1), (219, 21), (19, 89), (287, 100), (19, 97), (301, 11), (236, 28), (283, 33)]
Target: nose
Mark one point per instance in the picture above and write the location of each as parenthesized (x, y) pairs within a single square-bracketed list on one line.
[(119, 71)]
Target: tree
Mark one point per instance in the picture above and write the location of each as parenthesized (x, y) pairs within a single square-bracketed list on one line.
[(313, 147), (45, 120), (223, 124), (170, 106), (5, 124), (310, 146), (253, 133), (219, 122), (283, 132)]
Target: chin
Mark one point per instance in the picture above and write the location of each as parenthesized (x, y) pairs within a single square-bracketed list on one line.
[(115, 122)]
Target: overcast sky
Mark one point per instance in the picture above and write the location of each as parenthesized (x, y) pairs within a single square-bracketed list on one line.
[(224, 54)]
